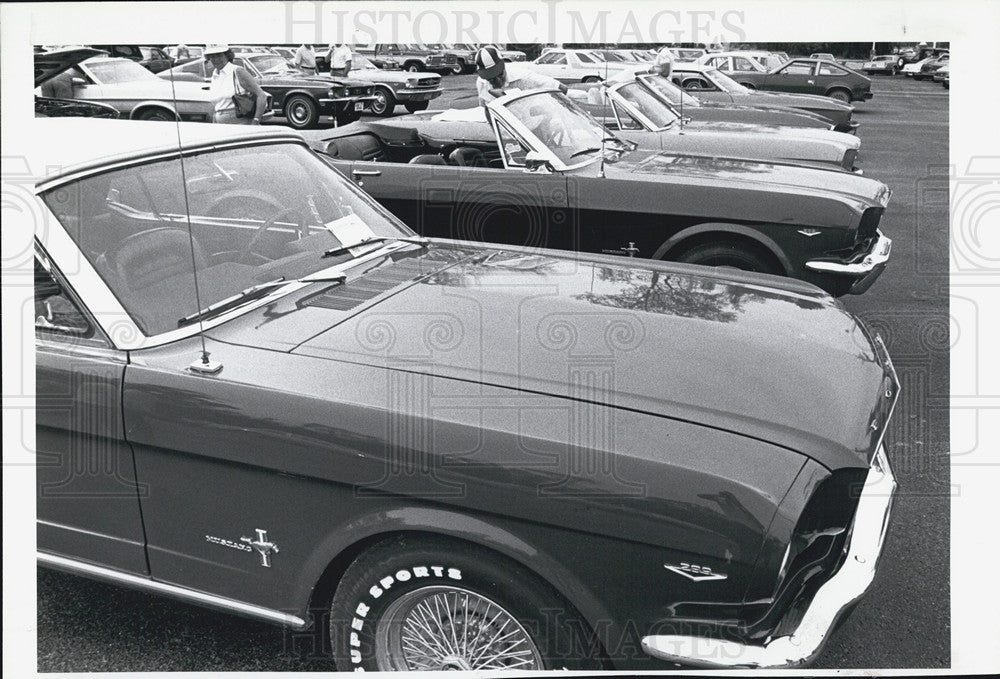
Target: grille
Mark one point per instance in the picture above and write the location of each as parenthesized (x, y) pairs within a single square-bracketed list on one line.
[(360, 290), (427, 82)]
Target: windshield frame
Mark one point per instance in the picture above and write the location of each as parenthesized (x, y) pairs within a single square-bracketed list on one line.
[(498, 108), (618, 99), (113, 319)]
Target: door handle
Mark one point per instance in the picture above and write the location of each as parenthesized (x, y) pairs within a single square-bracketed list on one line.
[(366, 173)]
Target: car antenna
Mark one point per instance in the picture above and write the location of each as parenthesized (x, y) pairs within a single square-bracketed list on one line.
[(203, 364), (681, 88), (604, 114)]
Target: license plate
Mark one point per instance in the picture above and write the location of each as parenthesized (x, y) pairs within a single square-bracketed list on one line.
[(359, 106)]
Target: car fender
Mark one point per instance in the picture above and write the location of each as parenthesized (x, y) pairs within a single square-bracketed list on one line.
[(443, 522), (152, 103), (725, 227), (279, 100)]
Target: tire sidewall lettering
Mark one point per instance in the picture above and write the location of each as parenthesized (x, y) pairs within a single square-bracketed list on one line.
[(383, 585)]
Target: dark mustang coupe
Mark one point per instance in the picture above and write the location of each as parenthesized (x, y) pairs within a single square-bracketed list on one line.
[(300, 97), (562, 180), (445, 455), (712, 86), (810, 76)]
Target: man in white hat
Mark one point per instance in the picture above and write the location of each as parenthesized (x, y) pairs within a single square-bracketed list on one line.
[(497, 78)]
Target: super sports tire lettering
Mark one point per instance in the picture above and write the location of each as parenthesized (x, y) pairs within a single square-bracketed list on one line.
[(402, 600)]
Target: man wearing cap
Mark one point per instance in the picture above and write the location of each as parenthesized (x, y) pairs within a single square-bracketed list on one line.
[(497, 78)]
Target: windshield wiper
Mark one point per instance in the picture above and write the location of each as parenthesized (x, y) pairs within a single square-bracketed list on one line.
[(341, 249), (231, 302), (598, 148)]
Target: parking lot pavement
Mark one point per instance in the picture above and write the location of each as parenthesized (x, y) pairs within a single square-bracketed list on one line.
[(903, 622)]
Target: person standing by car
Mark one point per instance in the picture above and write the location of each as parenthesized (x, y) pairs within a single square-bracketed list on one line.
[(497, 78), (663, 62), (340, 60), (228, 79), (305, 59)]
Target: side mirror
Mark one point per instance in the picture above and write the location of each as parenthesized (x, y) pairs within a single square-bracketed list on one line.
[(536, 161), (78, 82)]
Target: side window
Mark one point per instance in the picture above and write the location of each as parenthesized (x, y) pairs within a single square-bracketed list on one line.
[(585, 58), (830, 69), (57, 314), (798, 68), (513, 149), (743, 64), (625, 119), (559, 60)]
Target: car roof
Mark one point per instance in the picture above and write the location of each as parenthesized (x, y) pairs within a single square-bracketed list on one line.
[(67, 146)]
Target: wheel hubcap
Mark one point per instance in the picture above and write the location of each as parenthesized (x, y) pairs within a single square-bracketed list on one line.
[(380, 103), (449, 628)]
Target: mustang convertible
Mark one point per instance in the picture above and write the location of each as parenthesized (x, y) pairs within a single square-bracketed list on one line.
[(546, 174), (688, 106), (655, 124), (260, 392)]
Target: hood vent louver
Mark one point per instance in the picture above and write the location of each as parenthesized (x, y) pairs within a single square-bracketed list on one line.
[(356, 292)]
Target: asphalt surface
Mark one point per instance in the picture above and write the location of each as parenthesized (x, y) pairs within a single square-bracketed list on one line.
[(903, 622)]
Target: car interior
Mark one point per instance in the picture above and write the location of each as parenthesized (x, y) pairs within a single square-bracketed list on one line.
[(414, 150)]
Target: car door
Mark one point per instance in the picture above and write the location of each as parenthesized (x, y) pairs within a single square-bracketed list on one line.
[(797, 76), (87, 494)]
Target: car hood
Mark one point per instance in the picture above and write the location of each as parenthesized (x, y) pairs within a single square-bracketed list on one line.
[(811, 101), (787, 178), (764, 357), (299, 79), (787, 142), (762, 108), (385, 76), (50, 64)]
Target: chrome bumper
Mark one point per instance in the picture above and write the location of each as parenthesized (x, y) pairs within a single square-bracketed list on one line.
[(836, 596), (866, 271)]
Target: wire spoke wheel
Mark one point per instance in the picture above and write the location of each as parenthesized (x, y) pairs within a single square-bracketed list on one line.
[(450, 628)]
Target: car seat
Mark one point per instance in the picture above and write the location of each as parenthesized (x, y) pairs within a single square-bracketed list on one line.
[(467, 156), (428, 159)]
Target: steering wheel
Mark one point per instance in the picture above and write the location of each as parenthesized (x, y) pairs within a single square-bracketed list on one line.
[(248, 251)]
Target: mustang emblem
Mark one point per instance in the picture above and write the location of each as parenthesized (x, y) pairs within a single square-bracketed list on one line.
[(262, 546), (695, 572), (809, 232)]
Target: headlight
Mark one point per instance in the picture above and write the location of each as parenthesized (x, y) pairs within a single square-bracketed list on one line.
[(411, 82), (336, 92)]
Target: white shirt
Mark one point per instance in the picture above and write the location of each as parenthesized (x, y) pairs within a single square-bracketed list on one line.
[(305, 58), (516, 77), (339, 56), (223, 87)]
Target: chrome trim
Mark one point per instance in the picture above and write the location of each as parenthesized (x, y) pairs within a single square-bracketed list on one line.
[(139, 582), (876, 257), (152, 155), (868, 531)]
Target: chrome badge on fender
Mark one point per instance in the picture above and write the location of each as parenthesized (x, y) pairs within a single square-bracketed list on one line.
[(695, 572)]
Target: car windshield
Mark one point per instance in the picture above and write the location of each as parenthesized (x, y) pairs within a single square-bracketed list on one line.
[(360, 61), (648, 104), (669, 90), (257, 214), (116, 71), (572, 135), (724, 82), (269, 63)]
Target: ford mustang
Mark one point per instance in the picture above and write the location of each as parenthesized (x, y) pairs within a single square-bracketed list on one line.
[(544, 173), (258, 391), (713, 86), (653, 123), (688, 106)]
